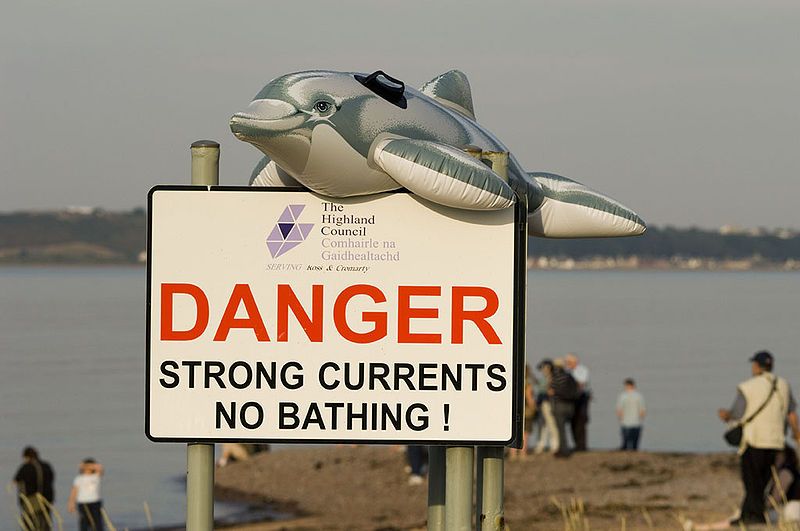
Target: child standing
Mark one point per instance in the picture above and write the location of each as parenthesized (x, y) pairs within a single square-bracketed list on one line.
[(85, 496), (630, 411)]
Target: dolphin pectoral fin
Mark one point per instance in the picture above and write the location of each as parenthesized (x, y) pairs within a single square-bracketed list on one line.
[(267, 173), (451, 89), (572, 210), (442, 174)]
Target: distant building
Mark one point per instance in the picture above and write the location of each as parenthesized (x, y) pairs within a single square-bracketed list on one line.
[(727, 230), (786, 234), (80, 210)]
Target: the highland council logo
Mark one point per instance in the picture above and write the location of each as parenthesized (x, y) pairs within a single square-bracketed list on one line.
[(288, 233)]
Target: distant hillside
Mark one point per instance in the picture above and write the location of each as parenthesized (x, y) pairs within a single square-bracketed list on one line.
[(95, 236), (669, 242), (98, 236)]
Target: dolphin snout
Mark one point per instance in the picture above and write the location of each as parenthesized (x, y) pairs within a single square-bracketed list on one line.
[(268, 110), (265, 115)]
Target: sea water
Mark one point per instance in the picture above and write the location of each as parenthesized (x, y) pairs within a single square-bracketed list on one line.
[(72, 366)]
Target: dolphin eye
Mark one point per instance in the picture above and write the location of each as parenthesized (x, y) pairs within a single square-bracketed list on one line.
[(322, 106)]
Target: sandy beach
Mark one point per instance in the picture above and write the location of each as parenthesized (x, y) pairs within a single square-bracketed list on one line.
[(366, 488)]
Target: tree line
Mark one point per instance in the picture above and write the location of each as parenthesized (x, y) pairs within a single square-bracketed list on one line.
[(102, 236)]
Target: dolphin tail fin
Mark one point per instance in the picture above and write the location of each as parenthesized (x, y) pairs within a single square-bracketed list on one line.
[(267, 173), (572, 210)]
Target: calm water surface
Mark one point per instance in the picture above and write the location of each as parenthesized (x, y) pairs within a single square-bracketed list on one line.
[(72, 377)]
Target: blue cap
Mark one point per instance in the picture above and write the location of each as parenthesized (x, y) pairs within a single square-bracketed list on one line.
[(764, 359)]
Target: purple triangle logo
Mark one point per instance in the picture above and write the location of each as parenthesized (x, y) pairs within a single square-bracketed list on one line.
[(275, 235), (287, 246), (285, 228), (305, 229), (295, 235), (274, 248), (287, 233), (286, 217)]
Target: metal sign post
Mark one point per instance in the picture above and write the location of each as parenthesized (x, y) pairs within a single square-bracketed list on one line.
[(490, 514), (458, 488), (200, 456)]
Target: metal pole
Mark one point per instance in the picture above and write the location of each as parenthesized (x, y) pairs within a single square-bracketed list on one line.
[(200, 487), (499, 160), (459, 506), (200, 456), (489, 507), (490, 461), (461, 459), (436, 488), (458, 488), (458, 470), (205, 162), (480, 454)]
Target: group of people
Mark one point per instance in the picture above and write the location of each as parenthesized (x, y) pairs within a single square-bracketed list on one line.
[(560, 399), (558, 403), (34, 482), (763, 407)]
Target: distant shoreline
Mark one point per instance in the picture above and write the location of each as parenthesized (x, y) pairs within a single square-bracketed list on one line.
[(87, 236), (70, 265), (550, 264), (676, 263)]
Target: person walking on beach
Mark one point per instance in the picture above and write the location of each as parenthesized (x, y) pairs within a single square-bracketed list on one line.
[(763, 404), (630, 411), (563, 392), (580, 419), (34, 480), (85, 496), (548, 431)]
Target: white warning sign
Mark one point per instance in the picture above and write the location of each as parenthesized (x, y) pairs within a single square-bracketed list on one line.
[(280, 315)]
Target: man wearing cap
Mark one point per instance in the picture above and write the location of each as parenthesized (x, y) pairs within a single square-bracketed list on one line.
[(765, 402)]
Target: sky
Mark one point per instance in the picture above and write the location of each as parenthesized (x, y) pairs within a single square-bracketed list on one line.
[(686, 111)]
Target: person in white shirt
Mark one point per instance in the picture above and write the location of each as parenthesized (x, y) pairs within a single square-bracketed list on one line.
[(85, 497), (630, 411)]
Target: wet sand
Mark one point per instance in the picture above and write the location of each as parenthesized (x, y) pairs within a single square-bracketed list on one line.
[(366, 488)]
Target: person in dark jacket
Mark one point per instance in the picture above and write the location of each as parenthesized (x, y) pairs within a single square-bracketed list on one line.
[(580, 420), (563, 392), (34, 480)]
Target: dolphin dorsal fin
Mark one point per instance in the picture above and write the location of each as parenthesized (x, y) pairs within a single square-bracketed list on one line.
[(452, 90)]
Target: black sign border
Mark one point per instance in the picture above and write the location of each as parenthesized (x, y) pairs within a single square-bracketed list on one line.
[(518, 343)]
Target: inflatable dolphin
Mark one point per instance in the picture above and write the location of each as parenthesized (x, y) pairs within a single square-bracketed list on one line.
[(346, 134)]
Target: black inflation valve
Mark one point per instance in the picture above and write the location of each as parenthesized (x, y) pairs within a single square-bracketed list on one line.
[(387, 87)]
